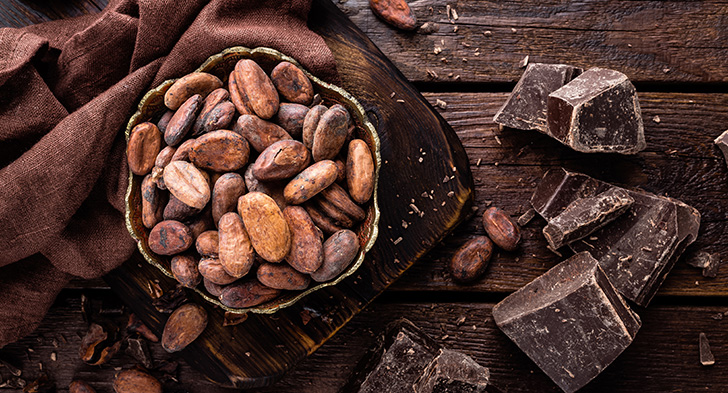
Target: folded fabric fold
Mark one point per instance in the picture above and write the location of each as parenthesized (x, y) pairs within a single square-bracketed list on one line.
[(67, 89)]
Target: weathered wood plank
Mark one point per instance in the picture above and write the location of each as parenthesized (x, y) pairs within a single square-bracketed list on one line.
[(680, 161), (677, 41), (663, 357), (650, 41)]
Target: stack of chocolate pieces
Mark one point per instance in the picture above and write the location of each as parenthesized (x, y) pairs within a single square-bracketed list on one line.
[(407, 360), (573, 321), (591, 112)]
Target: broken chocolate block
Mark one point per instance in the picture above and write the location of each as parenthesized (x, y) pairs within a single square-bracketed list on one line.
[(453, 372), (706, 355), (706, 261), (396, 362), (570, 321), (722, 142), (525, 108), (639, 248), (585, 215), (597, 112)]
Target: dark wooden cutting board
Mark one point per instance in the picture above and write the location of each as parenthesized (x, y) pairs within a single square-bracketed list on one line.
[(423, 165)]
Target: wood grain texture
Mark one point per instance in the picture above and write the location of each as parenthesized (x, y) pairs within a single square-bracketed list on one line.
[(676, 41), (663, 357), (680, 161)]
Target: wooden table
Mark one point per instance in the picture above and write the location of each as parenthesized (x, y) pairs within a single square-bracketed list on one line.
[(676, 53)]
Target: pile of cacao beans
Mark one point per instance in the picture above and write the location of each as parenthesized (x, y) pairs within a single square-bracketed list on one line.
[(255, 189)]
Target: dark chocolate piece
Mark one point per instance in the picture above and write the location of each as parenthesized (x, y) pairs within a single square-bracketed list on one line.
[(525, 108), (398, 359), (453, 372), (584, 216), (597, 112), (706, 261), (526, 217), (706, 355), (711, 269), (639, 248), (570, 321), (722, 142)]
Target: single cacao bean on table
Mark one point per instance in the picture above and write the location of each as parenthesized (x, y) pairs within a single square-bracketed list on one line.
[(501, 229)]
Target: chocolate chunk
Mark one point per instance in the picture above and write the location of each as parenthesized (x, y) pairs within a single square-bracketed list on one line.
[(597, 112), (453, 372), (711, 269), (398, 359), (525, 108), (526, 217), (584, 216), (639, 248), (570, 321), (706, 355), (722, 142)]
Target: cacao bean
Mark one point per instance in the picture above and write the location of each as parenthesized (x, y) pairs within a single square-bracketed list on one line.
[(281, 276), (187, 183), (212, 270), (214, 289), (165, 156), (183, 151), (262, 94), (145, 142), (339, 251), (207, 244), (164, 120), (323, 222), (290, 117), (247, 294), (183, 327), (360, 171), (152, 210), (184, 269), (211, 101), (292, 83), (238, 97), (80, 387), (268, 230), (331, 133), (310, 122), (220, 117), (258, 132), (281, 160), (310, 182), (235, 250), (169, 238), (501, 229), (196, 83), (220, 151), (332, 212), (340, 199), (136, 381), (177, 210), (395, 12), (470, 261), (228, 188), (306, 254), (182, 121), (340, 170)]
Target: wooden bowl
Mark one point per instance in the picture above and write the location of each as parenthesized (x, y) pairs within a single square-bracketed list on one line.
[(151, 107)]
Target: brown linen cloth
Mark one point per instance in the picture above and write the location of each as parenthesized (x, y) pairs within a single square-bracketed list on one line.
[(67, 89)]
